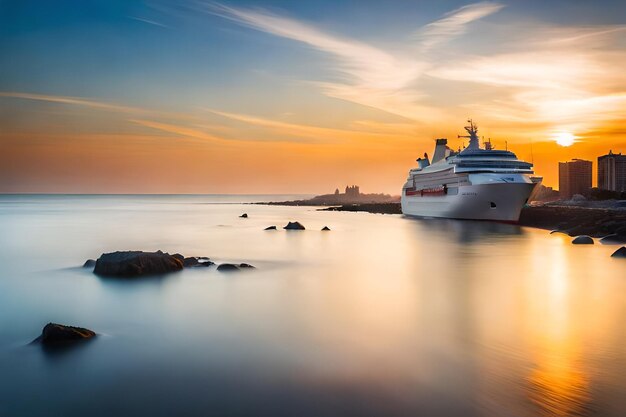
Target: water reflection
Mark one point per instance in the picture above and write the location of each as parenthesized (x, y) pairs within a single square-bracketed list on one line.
[(469, 231), (557, 383), (384, 315)]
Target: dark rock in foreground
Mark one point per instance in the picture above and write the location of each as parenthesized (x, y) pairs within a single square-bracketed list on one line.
[(582, 240), (294, 226), (54, 334), (620, 253), (89, 263), (270, 228), (244, 216), (325, 229), (233, 267), (137, 263)]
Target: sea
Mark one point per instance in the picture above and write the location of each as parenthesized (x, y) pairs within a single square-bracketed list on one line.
[(381, 316)]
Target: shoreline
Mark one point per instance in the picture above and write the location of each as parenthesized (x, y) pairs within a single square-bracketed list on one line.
[(574, 221)]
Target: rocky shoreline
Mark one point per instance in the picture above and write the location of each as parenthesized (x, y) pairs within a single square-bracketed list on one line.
[(595, 222)]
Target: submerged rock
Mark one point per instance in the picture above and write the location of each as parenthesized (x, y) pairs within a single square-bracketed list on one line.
[(190, 261), (294, 226), (54, 333), (620, 253), (89, 263), (137, 263), (193, 261), (326, 229), (227, 267), (583, 240), (233, 267), (270, 228), (244, 216)]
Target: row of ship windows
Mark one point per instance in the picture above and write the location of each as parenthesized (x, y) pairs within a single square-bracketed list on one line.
[(502, 166)]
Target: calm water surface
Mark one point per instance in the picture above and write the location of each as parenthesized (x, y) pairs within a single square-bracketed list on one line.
[(382, 316)]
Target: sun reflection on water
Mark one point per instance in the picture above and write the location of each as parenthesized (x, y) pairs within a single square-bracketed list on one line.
[(558, 384)]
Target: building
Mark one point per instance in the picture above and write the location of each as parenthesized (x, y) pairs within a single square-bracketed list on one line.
[(612, 172), (352, 191), (574, 177)]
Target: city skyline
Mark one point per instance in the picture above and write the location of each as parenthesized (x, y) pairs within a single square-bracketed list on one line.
[(275, 97)]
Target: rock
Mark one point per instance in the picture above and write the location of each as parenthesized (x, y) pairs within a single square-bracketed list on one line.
[(233, 267), (193, 261), (613, 239), (227, 268), (136, 263), (190, 261), (54, 333), (89, 263), (270, 228), (244, 216), (294, 226), (583, 240), (325, 229), (620, 253)]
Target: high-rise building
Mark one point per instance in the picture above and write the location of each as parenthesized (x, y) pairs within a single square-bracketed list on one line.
[(574, 177), (612, 172)]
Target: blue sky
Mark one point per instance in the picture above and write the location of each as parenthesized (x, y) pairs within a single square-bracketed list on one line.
[(268, 71)]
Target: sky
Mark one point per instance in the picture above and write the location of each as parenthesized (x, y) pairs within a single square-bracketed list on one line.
[(163, 96)]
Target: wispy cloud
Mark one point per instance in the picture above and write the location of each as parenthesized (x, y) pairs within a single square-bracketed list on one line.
[(319, 134), (563, 77), (570, 81), (148, 21), (375, 77), (74, 101), (363, 62), (455, 23), (179, 130)]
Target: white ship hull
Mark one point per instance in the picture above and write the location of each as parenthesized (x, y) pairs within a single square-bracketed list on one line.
[(488, 201)]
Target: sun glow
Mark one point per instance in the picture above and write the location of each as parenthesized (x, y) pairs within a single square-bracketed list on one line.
[(564, 138)]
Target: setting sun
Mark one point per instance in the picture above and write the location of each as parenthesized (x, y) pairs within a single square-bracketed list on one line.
[(564, 138)]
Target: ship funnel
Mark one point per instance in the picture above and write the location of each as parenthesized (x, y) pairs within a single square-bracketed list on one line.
[(440, 149), (423, 162)]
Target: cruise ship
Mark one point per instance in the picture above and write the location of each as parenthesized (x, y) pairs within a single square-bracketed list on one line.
[(475, 183)]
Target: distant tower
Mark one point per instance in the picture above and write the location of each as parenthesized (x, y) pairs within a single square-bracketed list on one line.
[(574, 177), (612, 172), (336, 191)]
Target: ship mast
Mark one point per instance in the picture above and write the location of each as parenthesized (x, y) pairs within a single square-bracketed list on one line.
[(472, 129)]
